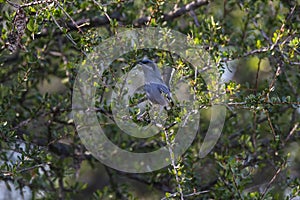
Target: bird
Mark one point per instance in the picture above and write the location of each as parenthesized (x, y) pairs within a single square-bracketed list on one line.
[(156, 89)]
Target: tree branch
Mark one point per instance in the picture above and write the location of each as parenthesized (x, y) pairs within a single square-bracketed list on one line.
[(175, 13), (188, 7), (103, 20)]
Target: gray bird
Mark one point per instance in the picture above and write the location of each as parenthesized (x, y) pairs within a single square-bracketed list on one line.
[(156, 89)]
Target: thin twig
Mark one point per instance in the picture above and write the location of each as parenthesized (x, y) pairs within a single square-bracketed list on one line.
[(235, 183), (193, 14), (270, 183), (292, 132), (172, 157), (37, 2), (270, 124), (256, 79), (105, 13), (177, 12), (67, 35), (271, 86), (186, 8), (15, 5), (186, 195), (67, 14)]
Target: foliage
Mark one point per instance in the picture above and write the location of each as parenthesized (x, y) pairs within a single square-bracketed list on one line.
[(257, 156)]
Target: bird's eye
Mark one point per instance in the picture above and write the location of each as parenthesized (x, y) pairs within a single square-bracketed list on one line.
[(145, 61)]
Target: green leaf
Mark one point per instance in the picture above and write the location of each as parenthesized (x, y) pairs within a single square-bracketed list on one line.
[(32, 26)]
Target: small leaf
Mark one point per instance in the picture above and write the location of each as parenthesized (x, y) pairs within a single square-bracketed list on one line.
[(258, 44), (32, 9), (30, 25)]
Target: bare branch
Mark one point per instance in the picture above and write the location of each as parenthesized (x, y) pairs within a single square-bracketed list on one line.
[(270, 183), (188, 7), (104, 20), (292, 132), (177, 12)]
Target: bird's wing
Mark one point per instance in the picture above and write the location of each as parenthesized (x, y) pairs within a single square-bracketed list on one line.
[(165, 91)]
